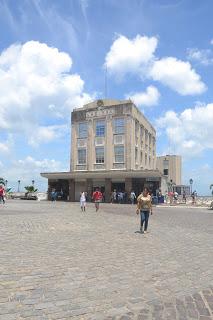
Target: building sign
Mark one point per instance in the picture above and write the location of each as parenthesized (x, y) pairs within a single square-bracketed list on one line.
[(99, 113), (152, 179)]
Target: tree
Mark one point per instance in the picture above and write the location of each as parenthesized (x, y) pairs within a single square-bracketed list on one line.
[(2, 181), (30, 189), (211, 187)]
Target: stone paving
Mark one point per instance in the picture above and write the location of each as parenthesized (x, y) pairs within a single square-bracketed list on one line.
[(59, 263)]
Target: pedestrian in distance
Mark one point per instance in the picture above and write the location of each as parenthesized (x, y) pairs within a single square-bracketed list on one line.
[(132, 197), (184, 196), (144, 207), (83, 201), (2, 194), (97, 198), (53, 195), (114, 196)]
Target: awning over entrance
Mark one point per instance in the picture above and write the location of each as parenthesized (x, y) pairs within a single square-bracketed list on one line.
[(152, 175)]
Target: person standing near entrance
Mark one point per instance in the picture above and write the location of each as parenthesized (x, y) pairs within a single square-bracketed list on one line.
[(132, 197), (97, 198), (144, 207), (83, 201)]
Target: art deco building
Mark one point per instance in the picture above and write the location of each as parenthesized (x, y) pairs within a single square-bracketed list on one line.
[(113, 146)]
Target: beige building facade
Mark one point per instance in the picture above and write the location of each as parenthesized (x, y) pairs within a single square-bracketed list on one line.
[(113, 146), (110, 135), (171, 167)]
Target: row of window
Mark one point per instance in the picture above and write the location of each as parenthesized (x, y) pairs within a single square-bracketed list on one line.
[(100, 155), (100, 128)]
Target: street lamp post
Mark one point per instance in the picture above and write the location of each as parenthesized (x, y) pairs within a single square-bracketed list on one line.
[(6, 184), (19, 181), (191, 183), (33, 182)]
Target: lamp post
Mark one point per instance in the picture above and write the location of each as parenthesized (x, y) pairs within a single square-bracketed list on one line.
[(33, 182), (191, 183), (6, 184), (19, 181)]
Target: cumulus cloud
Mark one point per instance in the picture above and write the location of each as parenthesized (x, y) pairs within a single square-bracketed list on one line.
[(6, 145), (46, 134), (204, 57), (189, 131), (33, 77), (137, 56), (177, 75), (128, 56), (29, 169), (148, 98)]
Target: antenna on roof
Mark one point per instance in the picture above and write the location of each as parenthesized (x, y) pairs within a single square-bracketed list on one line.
[(105, 83)]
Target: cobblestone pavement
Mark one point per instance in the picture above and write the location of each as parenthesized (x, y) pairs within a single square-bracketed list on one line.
[(59, 263)]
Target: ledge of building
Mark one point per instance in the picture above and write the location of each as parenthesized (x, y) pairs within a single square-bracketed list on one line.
[(102, 174)]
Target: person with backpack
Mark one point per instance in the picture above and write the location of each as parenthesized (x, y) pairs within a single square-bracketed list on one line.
[(97, 198), (144, 207)]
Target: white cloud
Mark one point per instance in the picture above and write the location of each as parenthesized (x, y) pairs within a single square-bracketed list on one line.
[(6, 145), (204, 57), (148, 98), (34, 76), (177, 75), (29, 169), (47, 134), (190, 131), (127, 56), (211, 41), (137, 56)]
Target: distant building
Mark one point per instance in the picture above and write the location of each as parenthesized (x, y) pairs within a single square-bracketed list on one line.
[(171, 167), (113, 147)]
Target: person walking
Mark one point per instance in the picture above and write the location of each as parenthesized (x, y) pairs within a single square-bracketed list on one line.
[(144, 207), (53, 195), (184, 196), (132, 197), (2, 194), (97, 198), (83, 201)]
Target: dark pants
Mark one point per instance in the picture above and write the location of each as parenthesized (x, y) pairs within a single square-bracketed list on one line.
[(144, 219)]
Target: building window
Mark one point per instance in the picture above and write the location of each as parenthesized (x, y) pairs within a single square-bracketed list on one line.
[(165, 172), (81, 156), (145, 159), (136, 154), (100, 128), (99, 154), (82, 130), (119, 154), (141, 160), (119, 125)]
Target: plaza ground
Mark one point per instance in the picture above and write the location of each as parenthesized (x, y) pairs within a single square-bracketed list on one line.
[(59, 263)]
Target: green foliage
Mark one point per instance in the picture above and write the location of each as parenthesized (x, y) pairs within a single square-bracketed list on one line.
[(211, 187), (30, 189), (2, 181)]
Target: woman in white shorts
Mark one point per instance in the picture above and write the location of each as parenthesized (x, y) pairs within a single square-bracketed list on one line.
[(83, 201)]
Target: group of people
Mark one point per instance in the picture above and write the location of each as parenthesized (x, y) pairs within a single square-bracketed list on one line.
[(122, 197), (2, 194), (144, 204)]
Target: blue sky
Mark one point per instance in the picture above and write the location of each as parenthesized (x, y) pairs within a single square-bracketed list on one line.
[(53, 54)]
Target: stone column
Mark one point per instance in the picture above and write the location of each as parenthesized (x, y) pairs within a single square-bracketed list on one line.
[(49, 188), (89, 188), (108, 189), (128, 186), (71, 190)]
